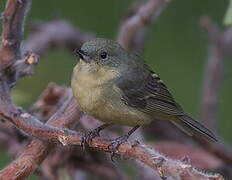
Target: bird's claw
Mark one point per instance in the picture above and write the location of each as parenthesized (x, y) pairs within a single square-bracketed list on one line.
[(88, 137), (113, 146)]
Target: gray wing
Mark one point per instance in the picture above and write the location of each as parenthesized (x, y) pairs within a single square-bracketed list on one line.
[(146, 92)]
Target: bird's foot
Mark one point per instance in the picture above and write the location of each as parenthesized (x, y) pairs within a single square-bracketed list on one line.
[(88, 137), (92, 134), (113, 146)]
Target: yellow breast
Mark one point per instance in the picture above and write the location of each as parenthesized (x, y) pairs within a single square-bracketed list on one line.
[(89, 83)]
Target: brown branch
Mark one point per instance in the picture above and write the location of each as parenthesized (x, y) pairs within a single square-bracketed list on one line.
[(29, 124), (198, 157), (165, 166), (50, 100), (158, 162), (14, 16), (55, 34), (132, 30), (9, 139), (221, 45), (26, 65), (37, 150), (53, 163), (12, 31)]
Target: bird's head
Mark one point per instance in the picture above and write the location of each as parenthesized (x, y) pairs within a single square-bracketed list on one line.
[(104, 53)]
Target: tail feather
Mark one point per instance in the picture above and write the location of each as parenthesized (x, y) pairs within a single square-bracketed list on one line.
[(193, 127)]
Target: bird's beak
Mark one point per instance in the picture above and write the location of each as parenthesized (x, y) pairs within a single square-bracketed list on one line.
[(83, 56)]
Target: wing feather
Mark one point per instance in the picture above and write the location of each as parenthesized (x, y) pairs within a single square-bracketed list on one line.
[(148, 94)]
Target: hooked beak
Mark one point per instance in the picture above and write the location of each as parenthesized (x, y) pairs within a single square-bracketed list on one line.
[(83, 56)]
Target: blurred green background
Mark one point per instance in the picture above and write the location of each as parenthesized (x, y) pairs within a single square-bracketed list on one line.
[(176, 49)]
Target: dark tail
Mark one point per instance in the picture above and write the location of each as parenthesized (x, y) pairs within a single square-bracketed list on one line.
[(194, 128)]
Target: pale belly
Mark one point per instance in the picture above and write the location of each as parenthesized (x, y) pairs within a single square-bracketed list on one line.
[(109, 108), (115, 111)]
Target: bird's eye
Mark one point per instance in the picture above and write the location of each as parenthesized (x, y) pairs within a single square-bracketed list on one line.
[(103, 55)]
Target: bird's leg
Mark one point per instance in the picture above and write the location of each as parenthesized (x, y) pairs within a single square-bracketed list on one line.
[(120, 140), (92, 134)]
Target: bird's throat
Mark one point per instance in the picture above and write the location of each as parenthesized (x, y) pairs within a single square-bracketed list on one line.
[(89, 84)]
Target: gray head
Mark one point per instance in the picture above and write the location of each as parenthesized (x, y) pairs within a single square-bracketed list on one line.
[(104, 52)]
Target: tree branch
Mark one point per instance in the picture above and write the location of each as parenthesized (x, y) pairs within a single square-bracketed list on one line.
[(54, 34), (132, 30), (221, 45), (163, 165), (12, 31), (32, 126), (37, 150)]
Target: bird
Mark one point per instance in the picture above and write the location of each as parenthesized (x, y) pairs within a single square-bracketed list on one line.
[(117, 87)]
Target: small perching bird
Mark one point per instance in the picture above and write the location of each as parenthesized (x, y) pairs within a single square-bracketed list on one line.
[(116, 87)]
